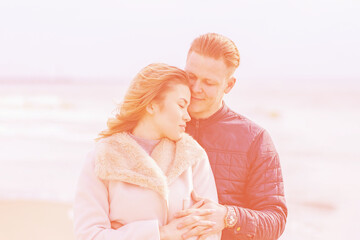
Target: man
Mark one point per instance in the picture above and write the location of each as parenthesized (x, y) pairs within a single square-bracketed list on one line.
[(242, 155)]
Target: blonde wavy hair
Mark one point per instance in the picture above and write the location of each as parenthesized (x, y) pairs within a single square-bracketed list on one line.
[(216, 46), (150, 84)]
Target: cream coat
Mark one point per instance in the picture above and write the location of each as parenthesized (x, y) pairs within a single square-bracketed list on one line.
[(121, 185)]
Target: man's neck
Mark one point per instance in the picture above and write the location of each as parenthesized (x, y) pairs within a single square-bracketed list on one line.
[(207, 114)]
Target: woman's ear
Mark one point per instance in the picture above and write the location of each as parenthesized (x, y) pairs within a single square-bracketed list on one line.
[(151, 108)]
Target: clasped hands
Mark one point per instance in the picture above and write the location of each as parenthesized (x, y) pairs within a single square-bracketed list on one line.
[(201, 220)]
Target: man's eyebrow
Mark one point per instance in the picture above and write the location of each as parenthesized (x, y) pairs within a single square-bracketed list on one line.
[(206, 79)]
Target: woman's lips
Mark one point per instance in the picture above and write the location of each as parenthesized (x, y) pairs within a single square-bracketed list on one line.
[(182, 127)]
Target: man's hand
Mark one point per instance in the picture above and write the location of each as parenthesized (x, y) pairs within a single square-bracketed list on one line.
[(208, 210), (170, 231), (174, 232)]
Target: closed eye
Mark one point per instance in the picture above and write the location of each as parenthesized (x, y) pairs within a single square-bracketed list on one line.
[(210, 83), (192, 77), (182, 105)]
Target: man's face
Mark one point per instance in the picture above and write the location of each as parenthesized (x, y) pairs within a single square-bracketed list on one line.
[(210, 80)]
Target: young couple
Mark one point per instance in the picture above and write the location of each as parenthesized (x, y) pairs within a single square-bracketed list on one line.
[(148, 179)]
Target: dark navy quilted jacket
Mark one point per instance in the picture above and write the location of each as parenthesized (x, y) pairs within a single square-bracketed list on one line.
[(247, 173)]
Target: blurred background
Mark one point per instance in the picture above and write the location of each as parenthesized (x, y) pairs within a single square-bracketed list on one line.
[(65, 64)]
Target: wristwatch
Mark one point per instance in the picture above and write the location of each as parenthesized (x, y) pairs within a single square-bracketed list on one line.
[(231, 217)]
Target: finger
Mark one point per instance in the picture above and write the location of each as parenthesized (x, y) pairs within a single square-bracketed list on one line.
[(198, 204), (183, 213), (190, 220), (193, 222), (195, 197), (197, 231), (203, 223), (188, 211), (203, 212), (195, 212), (203, 237), (116, 225)]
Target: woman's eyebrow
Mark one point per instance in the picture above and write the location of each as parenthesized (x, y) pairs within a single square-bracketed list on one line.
[(186, 102)]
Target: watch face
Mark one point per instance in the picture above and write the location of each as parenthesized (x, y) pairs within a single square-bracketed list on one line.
[(231, 220), (231, 217)]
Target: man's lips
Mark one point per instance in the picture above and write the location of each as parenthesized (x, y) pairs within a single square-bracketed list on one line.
[(196, 98)]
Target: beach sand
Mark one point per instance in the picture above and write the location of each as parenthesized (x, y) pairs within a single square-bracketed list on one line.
[(46, 130), (35, 220)]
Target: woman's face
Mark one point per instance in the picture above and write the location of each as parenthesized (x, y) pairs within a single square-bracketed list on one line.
[(170, 115)]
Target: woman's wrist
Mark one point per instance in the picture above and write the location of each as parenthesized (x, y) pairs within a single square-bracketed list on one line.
[(162, 231)]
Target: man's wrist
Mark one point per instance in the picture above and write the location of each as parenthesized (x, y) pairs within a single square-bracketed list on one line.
[(231, 217)]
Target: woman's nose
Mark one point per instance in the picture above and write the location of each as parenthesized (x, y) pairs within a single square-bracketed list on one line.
[(187, 117)]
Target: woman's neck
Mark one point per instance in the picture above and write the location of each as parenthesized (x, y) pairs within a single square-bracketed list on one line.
[(146, 130)]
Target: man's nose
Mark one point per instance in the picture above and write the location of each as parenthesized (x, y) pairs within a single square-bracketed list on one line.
[(196, 86)]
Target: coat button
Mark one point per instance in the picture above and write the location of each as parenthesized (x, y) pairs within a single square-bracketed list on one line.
[(238, 229), (250, 235)]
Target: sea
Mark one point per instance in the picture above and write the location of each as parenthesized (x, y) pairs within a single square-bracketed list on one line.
[(47, 128)]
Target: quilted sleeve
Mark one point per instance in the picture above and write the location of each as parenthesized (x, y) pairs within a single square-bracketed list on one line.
[(265, 217)]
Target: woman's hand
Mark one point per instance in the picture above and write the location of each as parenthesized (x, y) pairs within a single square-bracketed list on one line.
[(171, 232), (209, 211), (178, 227)]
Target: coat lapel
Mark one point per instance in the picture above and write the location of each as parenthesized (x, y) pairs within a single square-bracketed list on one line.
[(119, 157)]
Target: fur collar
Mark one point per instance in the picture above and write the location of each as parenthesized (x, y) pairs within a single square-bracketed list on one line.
[(120, 157)]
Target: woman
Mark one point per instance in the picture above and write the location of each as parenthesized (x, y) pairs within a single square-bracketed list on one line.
[(144, 167)]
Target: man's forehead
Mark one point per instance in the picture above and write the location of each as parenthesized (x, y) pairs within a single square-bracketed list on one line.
[(207, 67)]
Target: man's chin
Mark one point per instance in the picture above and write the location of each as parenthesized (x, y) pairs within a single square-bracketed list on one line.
[(196, 106), (195, 112), (192, 110)]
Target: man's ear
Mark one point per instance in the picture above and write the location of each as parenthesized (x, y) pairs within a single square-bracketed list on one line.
[(230, 84)]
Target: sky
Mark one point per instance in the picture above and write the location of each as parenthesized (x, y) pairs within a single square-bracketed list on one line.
[(108, 39)]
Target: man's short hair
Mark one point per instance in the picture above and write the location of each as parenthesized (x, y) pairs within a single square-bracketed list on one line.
[(216, 46)]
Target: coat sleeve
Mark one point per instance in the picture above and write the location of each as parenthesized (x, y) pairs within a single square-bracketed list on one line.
[(91, 212), (204, 184), (265, 215)]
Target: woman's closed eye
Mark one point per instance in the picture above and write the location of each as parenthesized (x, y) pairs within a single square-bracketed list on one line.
[(182, 105)]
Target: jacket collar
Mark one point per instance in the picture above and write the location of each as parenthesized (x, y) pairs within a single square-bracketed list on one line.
[(120, 157), (213, 118)]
